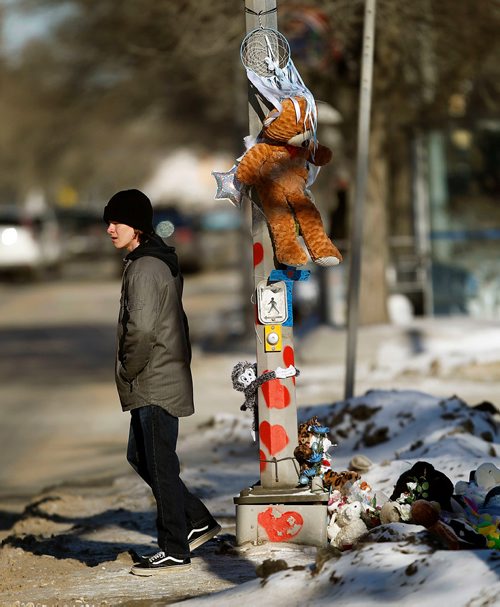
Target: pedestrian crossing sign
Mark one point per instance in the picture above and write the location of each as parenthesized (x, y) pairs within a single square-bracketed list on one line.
[(272, 305)]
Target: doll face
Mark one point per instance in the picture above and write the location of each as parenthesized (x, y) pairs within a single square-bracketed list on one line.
[(247, 377)]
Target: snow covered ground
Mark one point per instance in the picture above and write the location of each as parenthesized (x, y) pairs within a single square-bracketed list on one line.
[(426, 392), (398, 563)]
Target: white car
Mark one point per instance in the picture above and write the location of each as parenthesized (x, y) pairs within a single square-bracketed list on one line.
[(29, 244)]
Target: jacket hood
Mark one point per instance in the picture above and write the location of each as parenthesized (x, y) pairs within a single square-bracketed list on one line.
[(154, 246)]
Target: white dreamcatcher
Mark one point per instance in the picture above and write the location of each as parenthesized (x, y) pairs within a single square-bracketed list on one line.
[(265, 54)]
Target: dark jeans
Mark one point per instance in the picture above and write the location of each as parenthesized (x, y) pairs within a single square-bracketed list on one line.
[(151, 452)]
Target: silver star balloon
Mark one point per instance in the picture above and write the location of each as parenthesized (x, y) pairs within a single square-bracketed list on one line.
[(228, 186)]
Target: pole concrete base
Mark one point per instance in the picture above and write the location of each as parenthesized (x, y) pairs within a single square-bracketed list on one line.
[(298, 516)]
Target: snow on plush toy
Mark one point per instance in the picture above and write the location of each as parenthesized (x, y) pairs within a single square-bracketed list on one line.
[(277, 167), (347, 527)]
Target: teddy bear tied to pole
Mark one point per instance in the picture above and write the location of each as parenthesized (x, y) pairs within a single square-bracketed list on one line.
[(277, 167)]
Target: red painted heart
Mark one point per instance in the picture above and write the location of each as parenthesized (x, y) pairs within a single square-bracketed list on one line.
[(289, 358), (258, 253), (275, 394), (263, 463), (274, 438), (280, 526)]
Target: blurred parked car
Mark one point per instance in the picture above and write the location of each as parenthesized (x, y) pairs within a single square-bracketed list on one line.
[(178, 230), (220, 238), (29, 243), (84, 234)]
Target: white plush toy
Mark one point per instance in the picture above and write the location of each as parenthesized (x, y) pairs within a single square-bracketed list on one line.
[(485, 478), (347, 526)]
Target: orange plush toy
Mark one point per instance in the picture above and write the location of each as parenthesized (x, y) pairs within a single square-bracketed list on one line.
[(277, 167)]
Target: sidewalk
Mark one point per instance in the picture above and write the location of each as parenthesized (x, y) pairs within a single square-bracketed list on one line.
[(70, 545)]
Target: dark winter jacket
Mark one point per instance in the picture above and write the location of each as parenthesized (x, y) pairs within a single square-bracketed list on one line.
[(153, 350)]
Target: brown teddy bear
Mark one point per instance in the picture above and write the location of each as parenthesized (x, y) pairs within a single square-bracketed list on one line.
[(277, 167)]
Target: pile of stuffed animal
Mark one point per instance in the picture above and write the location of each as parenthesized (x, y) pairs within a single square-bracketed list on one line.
[(346, 488), (466, 515)]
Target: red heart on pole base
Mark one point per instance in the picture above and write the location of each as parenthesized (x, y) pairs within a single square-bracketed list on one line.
[(280, 526), (274, 438)]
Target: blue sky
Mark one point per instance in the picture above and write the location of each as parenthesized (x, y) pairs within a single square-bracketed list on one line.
[(20, 26)]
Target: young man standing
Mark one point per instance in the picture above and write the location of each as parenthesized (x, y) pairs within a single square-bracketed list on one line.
[(153, 378)]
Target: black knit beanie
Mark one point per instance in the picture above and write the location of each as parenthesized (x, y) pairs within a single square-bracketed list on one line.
[(131, 207)]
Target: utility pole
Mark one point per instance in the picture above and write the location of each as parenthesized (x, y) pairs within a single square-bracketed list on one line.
[(275, 510), (365, 97)]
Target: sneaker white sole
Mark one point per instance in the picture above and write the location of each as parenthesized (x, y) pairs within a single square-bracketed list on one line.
[(149, 572), (204, 538)]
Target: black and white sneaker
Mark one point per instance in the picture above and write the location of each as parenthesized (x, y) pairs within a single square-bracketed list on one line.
[(200, 535), (160, 563), (196, 538)]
